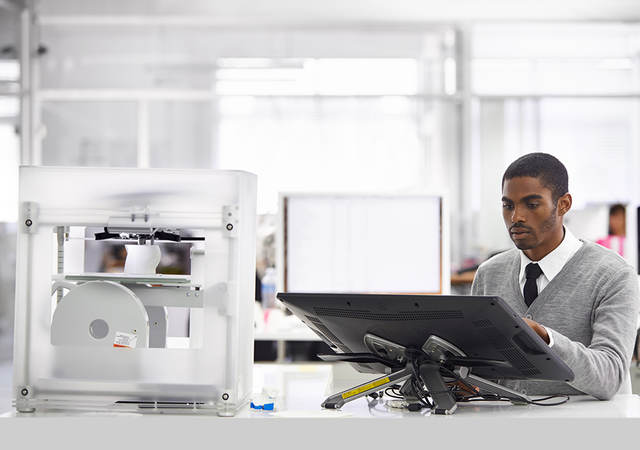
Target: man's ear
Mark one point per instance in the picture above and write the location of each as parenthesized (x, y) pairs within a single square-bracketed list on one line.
[(564, 204)]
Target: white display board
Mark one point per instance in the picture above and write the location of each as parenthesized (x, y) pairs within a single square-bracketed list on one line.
[(364, 243)]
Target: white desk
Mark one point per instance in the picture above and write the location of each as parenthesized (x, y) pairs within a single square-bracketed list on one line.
[(301, 423)]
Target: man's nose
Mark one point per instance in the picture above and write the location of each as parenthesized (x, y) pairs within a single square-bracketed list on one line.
[(518, 215)]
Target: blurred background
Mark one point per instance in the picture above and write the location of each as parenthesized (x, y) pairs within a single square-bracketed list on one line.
[(399, 97)]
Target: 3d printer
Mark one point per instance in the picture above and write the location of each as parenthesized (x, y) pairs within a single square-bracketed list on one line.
[(98, 340)]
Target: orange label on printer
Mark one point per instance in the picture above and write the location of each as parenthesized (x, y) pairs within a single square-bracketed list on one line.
[(125, 340), (366, 387)]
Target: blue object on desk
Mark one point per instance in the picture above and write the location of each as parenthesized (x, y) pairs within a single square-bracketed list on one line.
[(265, 407)]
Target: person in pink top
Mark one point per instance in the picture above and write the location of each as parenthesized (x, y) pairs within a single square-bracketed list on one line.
[(617, 229)]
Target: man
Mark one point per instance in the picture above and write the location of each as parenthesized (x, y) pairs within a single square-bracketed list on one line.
[(581, 298)]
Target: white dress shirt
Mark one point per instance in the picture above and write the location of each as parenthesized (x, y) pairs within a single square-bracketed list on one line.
[(551, 264)]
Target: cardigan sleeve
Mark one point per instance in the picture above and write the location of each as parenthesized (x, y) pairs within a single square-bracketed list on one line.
[(601, 367)]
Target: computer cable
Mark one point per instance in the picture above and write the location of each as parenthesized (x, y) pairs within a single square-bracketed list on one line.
[(372, 407), (421, 393), (424, 402), (375, 395), (390, 392), (462, 390), (536, 401), (455, 389), (495, 397)]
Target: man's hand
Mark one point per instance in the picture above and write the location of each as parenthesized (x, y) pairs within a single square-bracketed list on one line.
[(539, 329)]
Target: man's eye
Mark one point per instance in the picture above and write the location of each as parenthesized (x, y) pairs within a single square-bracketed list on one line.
[(507, 206), (532, 205)]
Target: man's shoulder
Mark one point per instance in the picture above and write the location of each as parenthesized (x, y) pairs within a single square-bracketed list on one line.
[(604, 260), (500, 261), (494, 274)]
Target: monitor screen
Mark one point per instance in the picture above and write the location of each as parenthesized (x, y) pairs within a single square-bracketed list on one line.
[(480, 326), (364, 243)]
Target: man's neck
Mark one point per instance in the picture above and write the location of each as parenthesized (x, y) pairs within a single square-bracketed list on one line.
[(536, 254)]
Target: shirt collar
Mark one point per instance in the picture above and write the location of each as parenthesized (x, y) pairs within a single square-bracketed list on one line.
[(553, 263)]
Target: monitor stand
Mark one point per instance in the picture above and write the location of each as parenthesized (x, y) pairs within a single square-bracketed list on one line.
[(419, 369)]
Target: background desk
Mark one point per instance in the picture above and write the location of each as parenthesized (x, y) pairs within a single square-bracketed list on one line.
[(286, 329), (301, 423)]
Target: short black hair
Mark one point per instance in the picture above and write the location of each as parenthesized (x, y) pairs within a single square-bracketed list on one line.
[(618, 208), (548, 168)]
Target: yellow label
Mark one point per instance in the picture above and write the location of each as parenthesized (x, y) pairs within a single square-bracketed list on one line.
[(366, 387)]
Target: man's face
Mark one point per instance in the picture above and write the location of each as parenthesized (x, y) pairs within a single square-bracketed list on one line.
[(531, 216)]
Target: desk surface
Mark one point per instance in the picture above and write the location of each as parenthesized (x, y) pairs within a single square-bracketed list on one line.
[(300, 389)]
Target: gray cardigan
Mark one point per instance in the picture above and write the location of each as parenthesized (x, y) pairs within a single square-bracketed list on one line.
[(591, 307)]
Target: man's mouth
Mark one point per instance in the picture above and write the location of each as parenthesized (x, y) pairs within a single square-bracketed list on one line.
[(519, 232)]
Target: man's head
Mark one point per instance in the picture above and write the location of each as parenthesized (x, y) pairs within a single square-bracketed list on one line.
[(535, 198)]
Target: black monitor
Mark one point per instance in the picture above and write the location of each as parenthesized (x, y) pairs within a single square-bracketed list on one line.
[(379, 333)]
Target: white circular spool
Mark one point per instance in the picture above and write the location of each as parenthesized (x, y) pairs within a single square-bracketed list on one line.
[(96, 302)]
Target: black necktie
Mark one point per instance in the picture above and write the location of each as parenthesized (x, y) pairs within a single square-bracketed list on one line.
[(532, 271)]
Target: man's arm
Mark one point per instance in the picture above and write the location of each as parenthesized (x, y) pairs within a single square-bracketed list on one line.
[(477, 287), (601, 367)]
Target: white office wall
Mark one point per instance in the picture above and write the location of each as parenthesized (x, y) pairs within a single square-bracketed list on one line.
[(554, 58), (593, 138), (9, 159), (7, 287), (179, 70), (489, 234), (346, 109), (565, 89), (89, 134), (180, 57), (325, 144), (9, 150), (242, 12)]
